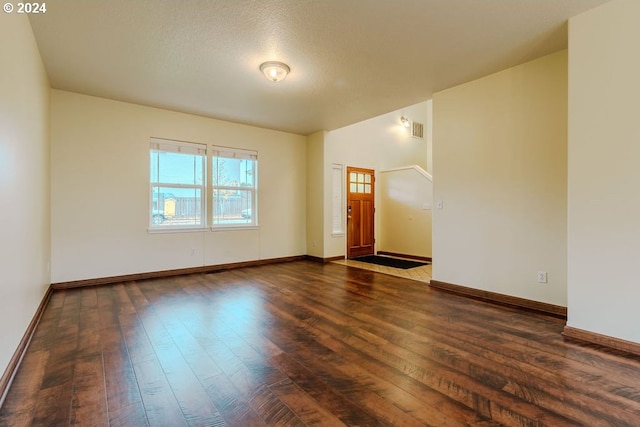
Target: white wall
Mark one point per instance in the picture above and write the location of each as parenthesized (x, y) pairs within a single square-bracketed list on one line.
[(100, 187), (377, 143), (604, 172), (500, 155), (24, 181), (406, 199)]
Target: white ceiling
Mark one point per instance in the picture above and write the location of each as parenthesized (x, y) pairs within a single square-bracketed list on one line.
[(350, 59)]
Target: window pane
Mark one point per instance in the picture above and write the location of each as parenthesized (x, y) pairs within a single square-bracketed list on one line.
[(177, 168), (353, 188), (233, 172), (367, 178), (367, 188), (176, 206), (233, 207), (360, 188), (353, 177), (234, 175), (177, 177)]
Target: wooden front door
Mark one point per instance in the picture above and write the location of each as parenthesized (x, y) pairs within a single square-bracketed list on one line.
[(360, 211)]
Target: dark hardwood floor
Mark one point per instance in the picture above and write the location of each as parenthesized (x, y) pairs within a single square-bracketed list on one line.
[(304, 343)]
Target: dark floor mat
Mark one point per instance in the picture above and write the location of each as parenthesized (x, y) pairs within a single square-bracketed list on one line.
[(390, 262)]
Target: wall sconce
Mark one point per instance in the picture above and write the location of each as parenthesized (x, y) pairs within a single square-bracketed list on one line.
[(405, 121), (274, 70)]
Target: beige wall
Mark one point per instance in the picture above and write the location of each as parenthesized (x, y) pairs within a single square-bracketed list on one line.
[(429, 137), (24, 181), (100, 187), (604, 176), (406, 198), (499, 167), (315, 194), (378, 143)]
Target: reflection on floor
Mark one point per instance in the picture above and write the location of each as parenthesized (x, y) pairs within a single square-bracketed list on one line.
[(421, 274)]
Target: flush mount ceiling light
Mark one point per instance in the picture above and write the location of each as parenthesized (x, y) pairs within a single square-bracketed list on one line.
[(274, 70), (405, 122)]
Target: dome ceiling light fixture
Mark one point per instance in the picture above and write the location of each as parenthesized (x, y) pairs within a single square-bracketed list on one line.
[(275, 70)]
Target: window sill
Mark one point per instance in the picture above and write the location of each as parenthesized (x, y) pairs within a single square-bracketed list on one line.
[(176, 230), (235, 228)]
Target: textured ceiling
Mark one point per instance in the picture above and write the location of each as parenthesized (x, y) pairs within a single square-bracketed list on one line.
[(350, 59)]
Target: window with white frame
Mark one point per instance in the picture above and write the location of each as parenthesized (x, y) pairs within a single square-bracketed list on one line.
[(177, 185), (337, 197), (234, 176)]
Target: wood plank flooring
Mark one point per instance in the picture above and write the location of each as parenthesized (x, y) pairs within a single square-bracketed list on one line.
[(304, 343)]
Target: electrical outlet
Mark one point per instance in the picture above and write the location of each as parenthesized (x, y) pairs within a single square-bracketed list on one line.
[(439, 204), (542, 277)]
